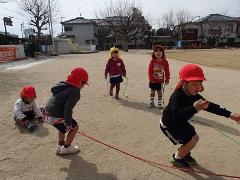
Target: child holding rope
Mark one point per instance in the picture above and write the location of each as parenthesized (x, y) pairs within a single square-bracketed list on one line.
[(183, 104), (59, 109), (26, 111), (158, 73), (116, 69)]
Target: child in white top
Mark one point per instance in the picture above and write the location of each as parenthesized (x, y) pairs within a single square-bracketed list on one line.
[(26, 110)]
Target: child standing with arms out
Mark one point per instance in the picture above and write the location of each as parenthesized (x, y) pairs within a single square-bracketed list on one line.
[(26, 110), (158, 73), (116, 69), (183, 104), (59, 109)]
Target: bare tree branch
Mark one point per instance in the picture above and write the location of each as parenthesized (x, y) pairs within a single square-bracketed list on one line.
[(175, 21), (124, 19), (37, 12)]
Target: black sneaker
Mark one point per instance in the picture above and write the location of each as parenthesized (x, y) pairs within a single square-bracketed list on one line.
[(160, 106), (110, 93), (190, 160), (151, 105), (181, 163), (31, 127)]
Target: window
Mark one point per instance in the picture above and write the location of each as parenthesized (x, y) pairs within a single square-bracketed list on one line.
[(229, 28), (88, 41), (69, 28), (190, 31), (230, 39)]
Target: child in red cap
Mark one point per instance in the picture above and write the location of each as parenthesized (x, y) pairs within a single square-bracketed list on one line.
[(116, 69), (59, 109), (26, 110), (158, 73), (183, 104)]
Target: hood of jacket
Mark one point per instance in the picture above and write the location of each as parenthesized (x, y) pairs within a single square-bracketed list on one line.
[(60, 87)]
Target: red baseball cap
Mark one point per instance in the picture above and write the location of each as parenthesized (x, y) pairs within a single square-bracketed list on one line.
[(77, 77), (28, 91), (191, 72)]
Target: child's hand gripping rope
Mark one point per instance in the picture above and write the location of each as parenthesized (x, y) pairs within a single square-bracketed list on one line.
[(201, 104)]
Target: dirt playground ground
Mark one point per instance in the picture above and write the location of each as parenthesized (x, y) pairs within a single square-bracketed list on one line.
[(126, 124)]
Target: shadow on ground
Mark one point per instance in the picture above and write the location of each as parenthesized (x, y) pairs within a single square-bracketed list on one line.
[(131, 103), (81, 169), (215, 125), (202, 176), (40, 131)]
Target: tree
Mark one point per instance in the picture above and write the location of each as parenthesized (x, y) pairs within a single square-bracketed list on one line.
[(215, 32), (141, 25), (102, 34), (125, 21), (37, 12), (168, 21), (175, 21)]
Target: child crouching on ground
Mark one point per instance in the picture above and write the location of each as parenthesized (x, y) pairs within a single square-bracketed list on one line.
[(59, 109), (26, 111), (183, 104)]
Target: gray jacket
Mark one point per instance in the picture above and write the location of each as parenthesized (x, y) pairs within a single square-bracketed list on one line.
[(62, 102)]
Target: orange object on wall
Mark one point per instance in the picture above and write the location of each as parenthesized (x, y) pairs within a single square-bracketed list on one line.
[(7, 53)]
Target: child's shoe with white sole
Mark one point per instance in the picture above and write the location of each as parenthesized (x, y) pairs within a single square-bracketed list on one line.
[(69, 150)]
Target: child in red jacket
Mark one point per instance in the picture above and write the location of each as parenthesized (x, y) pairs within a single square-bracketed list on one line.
[(158, 73), (116, 69)]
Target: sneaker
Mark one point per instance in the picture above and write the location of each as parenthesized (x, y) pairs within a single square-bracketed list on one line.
[(58, 149), (190, 160), (69, 150), (151, 105), (160, 106), (31, 127), (179, 162)]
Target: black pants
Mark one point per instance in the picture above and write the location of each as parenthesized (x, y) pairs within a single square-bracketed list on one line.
[(179, 135), (62, 127)]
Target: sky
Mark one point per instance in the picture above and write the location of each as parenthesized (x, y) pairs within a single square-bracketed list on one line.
[(152, 9)]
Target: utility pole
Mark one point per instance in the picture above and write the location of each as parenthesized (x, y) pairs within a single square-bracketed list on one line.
[(5, 27), (22, 28), (51, 27), (79, 8), (7, 22), (5, 31), (62, 24)]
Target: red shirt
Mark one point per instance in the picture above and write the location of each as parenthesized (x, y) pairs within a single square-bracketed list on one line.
[(115, 67), (158, 71)]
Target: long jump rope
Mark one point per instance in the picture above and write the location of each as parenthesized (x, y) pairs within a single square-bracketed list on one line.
[(157, 163), (125, 83), (104, 87)]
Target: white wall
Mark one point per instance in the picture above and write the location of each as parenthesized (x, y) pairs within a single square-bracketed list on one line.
[(81, 33)]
